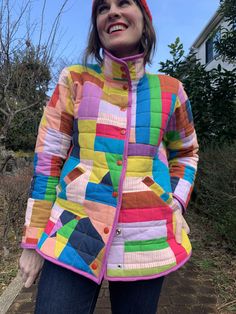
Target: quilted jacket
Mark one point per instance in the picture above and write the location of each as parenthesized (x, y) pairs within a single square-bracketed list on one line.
[(116, 146)]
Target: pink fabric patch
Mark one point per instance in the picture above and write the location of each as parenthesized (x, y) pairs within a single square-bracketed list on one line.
[(49, 227), (145, 214), (109, 131)]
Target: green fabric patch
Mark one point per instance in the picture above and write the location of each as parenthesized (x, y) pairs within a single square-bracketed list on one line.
[(115, 170), (146, 245), (50, 193), (139, 272), (68, 228), (173, 136)]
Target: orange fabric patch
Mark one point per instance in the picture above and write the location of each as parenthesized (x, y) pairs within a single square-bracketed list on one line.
[(146, 199), (168, 84), (66, 123)]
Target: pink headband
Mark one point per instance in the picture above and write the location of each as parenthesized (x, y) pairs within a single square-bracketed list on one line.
[(145, 6)]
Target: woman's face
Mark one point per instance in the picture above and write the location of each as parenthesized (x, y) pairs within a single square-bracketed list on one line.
[(120, 27)]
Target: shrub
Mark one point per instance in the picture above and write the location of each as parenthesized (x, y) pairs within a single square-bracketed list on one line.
[(216, 189), (14, 194)]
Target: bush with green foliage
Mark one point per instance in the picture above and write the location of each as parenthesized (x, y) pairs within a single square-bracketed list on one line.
[(216, 190), (225, 44), (212, 94)]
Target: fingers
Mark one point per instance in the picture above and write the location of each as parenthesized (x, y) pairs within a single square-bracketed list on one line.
[(178, 232), (180, 224), (30, 280), (30, 265), (185, 226), (29, 277)]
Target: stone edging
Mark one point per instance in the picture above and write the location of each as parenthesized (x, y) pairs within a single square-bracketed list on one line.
[(10, 293)]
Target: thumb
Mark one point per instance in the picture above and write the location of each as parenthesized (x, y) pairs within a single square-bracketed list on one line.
[(186, 227)]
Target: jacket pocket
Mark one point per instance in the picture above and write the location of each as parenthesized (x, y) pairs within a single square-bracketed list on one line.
[(70, 177), (161, 194)]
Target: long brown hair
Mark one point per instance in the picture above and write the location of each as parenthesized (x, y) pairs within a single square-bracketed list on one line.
[(147, 43)]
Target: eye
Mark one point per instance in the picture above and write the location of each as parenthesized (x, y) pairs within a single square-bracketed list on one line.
[(124, 2), (103, 8)]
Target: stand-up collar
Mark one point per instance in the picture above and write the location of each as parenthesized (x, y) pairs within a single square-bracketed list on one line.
[(122, 68)]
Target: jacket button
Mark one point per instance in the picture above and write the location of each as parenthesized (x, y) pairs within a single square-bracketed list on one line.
[(119, 162), (123, 132), (125, 87), (106, 230), (115, 194), (118, 231), (122, 68), (94, 266)]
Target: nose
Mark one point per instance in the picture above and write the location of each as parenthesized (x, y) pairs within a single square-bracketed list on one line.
[(114, 11)]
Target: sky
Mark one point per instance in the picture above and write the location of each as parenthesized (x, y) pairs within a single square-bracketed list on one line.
[(171, 18)]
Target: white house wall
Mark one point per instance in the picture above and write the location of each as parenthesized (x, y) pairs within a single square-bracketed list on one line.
[(201, 54)]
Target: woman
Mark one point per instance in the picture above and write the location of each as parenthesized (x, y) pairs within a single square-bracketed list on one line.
[(115, 161)]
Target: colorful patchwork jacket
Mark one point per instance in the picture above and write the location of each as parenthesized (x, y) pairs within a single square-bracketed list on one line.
[(116, 147)]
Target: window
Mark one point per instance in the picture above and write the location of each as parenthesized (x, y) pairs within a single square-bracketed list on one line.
[(210, 51)]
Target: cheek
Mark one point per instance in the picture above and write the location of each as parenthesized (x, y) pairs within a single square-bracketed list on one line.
[(101, 31)]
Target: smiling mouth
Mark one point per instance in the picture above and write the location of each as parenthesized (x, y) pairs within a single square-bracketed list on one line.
[(117, 28)]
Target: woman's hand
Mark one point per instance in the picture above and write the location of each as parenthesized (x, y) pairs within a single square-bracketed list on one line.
[(30, 264), (180, 223)]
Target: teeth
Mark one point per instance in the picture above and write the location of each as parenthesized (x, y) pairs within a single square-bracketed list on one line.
[(116, 28)]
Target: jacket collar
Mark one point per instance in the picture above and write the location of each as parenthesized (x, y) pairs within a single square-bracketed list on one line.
[(121, 68)]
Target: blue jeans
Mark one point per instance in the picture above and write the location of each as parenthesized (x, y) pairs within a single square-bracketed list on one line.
[(61, 291)]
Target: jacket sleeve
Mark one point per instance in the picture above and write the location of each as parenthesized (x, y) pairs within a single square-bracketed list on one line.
[(182, 148), (52, 145)]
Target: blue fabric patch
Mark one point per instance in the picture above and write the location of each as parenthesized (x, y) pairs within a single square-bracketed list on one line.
[(43, 238), (71, 257), (69, 165), (160, 174), (143, 115), (39, 187), (62, 195), (75, 140), (189, 174), (174, 182), (95, 67), (85, 238), (109, 145), (165, 197), (66, 217), (107, 179), (100, 193), (189, 111)]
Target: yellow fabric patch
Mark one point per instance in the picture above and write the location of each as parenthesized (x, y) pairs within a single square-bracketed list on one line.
[(185, 239), (178, 103), (87, 133), (100, 167), (139, 166), (185, 242), (60, 245), (157, 189), (75, 208)]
